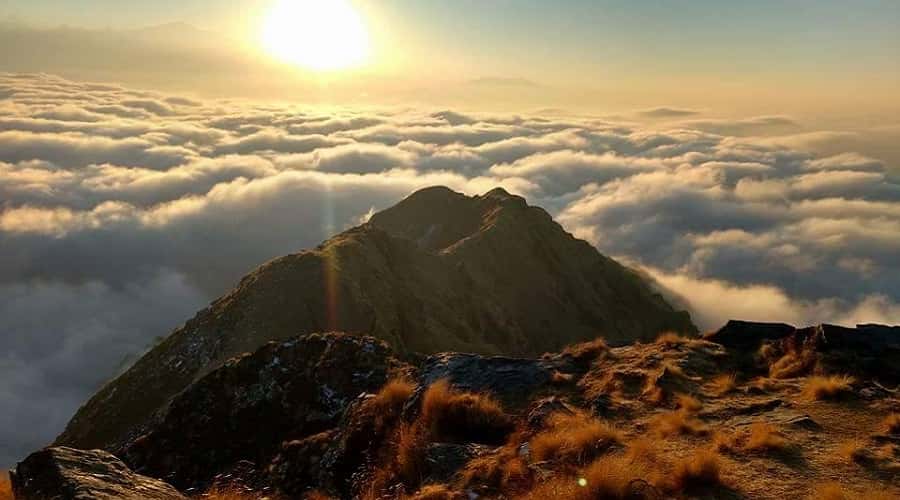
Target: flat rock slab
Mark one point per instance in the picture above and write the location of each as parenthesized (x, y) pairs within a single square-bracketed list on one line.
[(62, 473)]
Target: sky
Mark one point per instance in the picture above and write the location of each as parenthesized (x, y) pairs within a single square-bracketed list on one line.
[(768, 56), (742, 154)]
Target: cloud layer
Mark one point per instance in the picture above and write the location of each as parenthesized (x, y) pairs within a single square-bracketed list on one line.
[(123, 211)]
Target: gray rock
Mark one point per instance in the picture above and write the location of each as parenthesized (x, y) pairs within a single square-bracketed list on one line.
[(66, 473), (512, 380), (444, 460)]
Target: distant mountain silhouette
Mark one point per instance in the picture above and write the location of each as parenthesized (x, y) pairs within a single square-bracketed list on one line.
[(439, 271)]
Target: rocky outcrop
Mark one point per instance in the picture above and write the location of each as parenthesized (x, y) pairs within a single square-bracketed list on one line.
[(870, 351), (67, 474), (244, 411), (512, 380), (316, 413), (440, 271)]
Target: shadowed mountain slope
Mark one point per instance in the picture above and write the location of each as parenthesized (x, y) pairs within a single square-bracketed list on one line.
[(440, 271)]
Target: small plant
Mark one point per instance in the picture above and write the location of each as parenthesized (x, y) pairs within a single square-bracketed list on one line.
[(450, 415), (834, 491), (700, 470), (679, 422), (723, 384), (573, 438), (764, 384), (231, 493), (764, 437), (437, 492), (669, 340), (688, 403), (819, 388), (505, 470), (891, 424), (5, 487), (607, 478), (761, 437), (585, 353), (854, 451), (793, 364)]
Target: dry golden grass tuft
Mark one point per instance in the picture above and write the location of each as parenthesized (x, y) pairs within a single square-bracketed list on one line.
[(233, 493), (834, 491), (891, 424), (669, 340), (679, 422), (587, 352), (853, 450), (437, 492), (573, 438), (761, 437), (609, 477), (446, 415), (450, 415), (700, 470), (560, 378), (394, 393), (794, 363), (612, 477), (410, 454), (722, 384), (688, 403), (5, 487), (504, 470), (317, 495), (764, 384), (817, 388), (764, 437)]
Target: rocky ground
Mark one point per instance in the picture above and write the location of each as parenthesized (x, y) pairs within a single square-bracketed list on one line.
[(750, 411)]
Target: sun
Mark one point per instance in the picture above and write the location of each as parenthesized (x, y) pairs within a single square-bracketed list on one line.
[(320, 35)]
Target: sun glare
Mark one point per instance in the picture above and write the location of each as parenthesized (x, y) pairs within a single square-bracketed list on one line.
[(321, 35)]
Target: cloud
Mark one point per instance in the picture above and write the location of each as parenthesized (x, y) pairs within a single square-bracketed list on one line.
[(761, 125), (713, 302), (124, 211), (51, 363), (665, 112)]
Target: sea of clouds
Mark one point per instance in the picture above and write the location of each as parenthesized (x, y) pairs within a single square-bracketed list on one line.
[(123, 212)]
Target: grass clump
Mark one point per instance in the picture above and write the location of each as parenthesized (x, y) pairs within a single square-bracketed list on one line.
[(573, 439), (610, 477), (233, 493), (891, 424), (437, 492), (679, 422), (669, 340), (818, 388), (700, 470), (764, 437), (6, 492), (446, 415), (834, 491), (585, 353), (688, 403), (723, 384), (453, 416), (761, 437)]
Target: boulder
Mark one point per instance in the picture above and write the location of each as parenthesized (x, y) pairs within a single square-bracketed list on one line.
[(748, 334), (512, 380), (244, 411), (62, 473)]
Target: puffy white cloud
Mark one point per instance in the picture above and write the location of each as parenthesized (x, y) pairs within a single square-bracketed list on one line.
[(113, 202)]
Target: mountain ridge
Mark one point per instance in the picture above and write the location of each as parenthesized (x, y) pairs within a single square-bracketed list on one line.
[(439, 271)]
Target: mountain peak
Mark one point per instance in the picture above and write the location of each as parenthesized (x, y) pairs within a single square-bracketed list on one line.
[(438, 271)]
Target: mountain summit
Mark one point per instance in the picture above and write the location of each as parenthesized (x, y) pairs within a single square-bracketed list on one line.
[(439, 271)]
